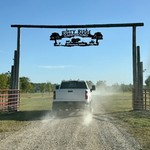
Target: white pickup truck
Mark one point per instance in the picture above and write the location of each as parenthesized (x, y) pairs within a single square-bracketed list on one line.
[(72, 94)]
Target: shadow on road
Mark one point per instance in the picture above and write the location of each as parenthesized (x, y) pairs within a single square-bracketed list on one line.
[(41, 114), (24, 115), (38, 115)]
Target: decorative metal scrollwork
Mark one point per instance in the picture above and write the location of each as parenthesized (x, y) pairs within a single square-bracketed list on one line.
[(76, 41)]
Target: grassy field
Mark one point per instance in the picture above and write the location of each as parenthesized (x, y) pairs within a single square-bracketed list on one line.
[(32, 107), (137, 123), (35, 101), (119, 105)]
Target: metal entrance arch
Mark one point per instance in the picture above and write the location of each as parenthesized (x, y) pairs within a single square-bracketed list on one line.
[(136, 64)]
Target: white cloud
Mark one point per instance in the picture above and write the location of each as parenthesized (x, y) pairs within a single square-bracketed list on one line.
[(56, 67)]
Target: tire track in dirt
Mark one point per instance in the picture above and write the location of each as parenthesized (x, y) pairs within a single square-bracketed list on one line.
[(71, 131)]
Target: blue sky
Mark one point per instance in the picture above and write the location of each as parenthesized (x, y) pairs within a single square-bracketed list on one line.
[(42, 62)]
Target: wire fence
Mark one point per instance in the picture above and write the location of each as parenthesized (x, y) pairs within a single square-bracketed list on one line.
[(146, 98), (9, 99), (141, 99)]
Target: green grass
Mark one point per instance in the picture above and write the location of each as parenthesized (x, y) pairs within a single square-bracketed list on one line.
[(117, 102), (35, 101), (32, 107), (137, 123)]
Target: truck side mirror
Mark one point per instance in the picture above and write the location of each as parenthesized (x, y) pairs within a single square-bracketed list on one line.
[(93, 88), (57, 87)]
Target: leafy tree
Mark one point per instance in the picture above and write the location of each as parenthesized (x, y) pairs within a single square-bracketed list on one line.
[(147, 82), (49, 87), (35, 87), (125, 87), (4, 80), (42, 87), (25, 84)]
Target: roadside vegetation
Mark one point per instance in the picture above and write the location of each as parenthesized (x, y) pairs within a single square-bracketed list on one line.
[(33, 106), (137, 123)]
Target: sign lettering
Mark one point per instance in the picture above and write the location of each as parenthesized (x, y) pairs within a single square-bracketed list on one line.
[(71, 33)]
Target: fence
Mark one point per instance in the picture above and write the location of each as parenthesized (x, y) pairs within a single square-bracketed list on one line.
[(9, 99), (146, 98), (142, 99)]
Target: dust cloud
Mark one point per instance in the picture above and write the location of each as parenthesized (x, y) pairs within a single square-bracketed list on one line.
[(87, 119), (47, 118), (105, 91), (101, 99), (99, 95)]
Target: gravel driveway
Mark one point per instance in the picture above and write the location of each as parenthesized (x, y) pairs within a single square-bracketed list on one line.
[(76, 130)]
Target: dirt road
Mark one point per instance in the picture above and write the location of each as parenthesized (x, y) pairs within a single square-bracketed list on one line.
[(77, 130)]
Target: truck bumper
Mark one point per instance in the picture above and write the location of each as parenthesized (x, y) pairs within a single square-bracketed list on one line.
[(61, 105)]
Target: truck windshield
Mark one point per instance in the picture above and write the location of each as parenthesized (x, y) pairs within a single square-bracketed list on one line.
[(73, 85)]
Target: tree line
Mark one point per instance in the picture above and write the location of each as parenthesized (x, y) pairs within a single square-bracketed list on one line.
[(27, 86), (101, 85)]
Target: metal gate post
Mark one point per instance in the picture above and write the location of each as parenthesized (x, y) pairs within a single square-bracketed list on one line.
[(18, 59), (134, 67)]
